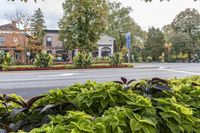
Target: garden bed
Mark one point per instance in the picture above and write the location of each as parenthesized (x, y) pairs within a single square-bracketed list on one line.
[(66, 66), (147, 106)]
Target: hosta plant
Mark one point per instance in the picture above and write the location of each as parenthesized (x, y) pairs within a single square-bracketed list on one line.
[(5, 60), (43, 60), (82, 60)]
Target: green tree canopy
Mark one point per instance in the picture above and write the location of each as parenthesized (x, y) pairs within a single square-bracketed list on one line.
[(187, 21), (120, 22), (154, 45), (182, 43), (83, 23), (37, 25)]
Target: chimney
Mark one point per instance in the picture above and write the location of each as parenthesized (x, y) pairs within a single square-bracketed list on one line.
[(14, 23)]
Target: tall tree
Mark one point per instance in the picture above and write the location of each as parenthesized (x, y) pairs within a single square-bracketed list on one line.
[(37, 26), (188, 21), (181, 43), (120, 22), (83, 23), (154, 46), (22, 20)]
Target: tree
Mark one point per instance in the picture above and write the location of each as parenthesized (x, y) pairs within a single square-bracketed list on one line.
[(154, 46), (182, 43), (37, 26), (22, 20), (120, 22), (188, 21), (161, 0), (83, 23), (119, 19), (25, 0)]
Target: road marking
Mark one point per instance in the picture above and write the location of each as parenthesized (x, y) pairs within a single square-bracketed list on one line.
[(58, 75), (179, 71)]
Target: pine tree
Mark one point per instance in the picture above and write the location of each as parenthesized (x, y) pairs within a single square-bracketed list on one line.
[(37, 26)]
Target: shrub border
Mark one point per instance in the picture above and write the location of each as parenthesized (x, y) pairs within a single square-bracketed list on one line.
[(67, 67)]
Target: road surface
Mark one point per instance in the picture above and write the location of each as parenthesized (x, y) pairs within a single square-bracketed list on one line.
[(32, 83)]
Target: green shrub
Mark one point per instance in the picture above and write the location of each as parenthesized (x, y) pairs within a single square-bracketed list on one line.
[(111, 108), (5, 60), (116, 59), (102, 59), (82, 60), (43, 60), (149, 59), (162, 59), (139, 59)]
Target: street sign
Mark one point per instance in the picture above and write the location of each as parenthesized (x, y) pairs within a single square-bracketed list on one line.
[(128, 40)]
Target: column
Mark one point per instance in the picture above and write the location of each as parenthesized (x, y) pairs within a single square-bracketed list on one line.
[(99, 52)]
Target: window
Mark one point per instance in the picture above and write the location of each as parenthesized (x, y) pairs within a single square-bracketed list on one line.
[(15, 40), (49, 41), (105, 51), (49, 51), (2, 41)]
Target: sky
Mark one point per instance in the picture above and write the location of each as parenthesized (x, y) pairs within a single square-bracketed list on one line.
[(155, 14)]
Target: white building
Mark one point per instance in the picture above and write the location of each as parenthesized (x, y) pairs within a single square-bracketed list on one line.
[(54, 46), (105, 46)]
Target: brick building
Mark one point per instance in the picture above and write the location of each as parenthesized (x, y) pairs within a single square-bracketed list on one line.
[(14, 41)]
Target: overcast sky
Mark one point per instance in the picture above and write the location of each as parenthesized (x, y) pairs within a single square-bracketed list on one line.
[(155, 14)]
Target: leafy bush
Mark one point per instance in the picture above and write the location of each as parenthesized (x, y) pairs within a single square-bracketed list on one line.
[(43, 60), (5, 60), (148, 106), (149, 59), (139, 59), (116, 59), (102, 59), (82, 60)]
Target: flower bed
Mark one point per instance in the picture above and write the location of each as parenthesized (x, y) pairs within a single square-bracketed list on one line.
[(67, 66), (147, 106)]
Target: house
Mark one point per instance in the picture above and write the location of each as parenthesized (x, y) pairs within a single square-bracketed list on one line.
[(14, 41), (54, 46)]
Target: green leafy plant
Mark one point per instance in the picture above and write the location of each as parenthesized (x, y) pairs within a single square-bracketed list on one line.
[(82, 60), (149, 59), (116, 59), (43, 60), (147, 106), (20, 115), (5, 60)]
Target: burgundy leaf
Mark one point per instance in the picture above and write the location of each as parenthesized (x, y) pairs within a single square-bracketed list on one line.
[(131, 81), (160, 80), (118, 82), (162, 87), (195, 84), (10, 99), (32, 100), (124, 80)]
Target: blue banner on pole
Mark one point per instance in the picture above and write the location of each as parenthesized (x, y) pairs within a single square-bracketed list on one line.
[(128, 40)]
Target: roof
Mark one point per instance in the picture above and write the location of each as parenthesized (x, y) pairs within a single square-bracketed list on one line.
[(8, 27), (51, 31), (57, 31), (108, 36)]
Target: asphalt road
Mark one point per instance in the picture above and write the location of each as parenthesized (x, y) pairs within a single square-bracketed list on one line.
[(32, 83)]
